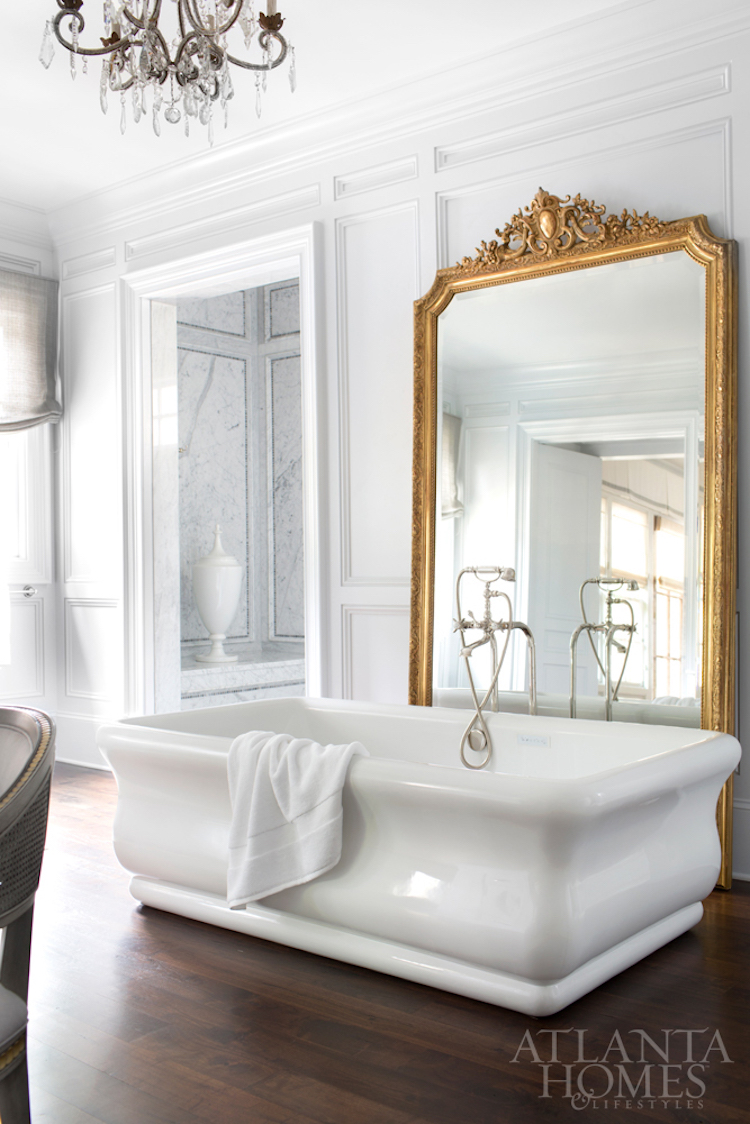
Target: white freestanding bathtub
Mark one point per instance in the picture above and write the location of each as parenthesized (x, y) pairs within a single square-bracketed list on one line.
[(581, 848)]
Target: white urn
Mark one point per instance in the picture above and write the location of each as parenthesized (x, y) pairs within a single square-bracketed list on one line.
[(217, 581)]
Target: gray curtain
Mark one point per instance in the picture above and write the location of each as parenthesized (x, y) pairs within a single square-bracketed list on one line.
[(28, 351)]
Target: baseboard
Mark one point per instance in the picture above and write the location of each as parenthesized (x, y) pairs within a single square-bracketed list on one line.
[(76, 741)]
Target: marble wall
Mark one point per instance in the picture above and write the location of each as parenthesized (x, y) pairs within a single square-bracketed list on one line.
[(240, 444), (285, 499)]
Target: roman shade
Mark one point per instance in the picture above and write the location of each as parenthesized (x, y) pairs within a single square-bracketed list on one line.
[(28, 351)]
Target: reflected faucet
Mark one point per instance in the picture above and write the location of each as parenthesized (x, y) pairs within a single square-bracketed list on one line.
[(607, 628), (476, 733)]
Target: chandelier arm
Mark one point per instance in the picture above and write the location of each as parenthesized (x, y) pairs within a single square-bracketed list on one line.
[(191, 11), (160, 75), (263, 40), (194, 17), (232, 19), (191, 35), (183, 77), (124, 86), (181, 20), (221, 28), (145, 24), (69, 46)]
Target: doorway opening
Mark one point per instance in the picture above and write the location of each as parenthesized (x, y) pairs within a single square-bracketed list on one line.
[(237, 326), (239, 434)]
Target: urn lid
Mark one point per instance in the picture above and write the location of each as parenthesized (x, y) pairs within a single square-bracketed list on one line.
[(217, 556)]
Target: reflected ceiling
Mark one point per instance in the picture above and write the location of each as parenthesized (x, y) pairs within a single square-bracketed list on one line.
[(648, 307)]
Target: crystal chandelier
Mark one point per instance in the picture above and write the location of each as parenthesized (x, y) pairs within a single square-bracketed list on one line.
[(187, 74)]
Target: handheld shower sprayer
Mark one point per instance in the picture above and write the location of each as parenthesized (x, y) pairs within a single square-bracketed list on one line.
[(606, 628), (476, 735)]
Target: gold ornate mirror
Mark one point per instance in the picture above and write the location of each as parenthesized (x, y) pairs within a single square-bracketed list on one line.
[(577, 432)]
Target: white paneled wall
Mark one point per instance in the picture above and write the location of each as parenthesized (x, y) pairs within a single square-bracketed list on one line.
[(648, 108)]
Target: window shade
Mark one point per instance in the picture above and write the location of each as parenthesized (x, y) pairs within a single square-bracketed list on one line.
[(28, 351)]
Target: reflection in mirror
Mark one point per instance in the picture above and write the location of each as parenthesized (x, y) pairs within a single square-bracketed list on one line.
[(571, 450)]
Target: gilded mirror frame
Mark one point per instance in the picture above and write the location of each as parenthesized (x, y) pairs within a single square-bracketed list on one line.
[(555, 235)]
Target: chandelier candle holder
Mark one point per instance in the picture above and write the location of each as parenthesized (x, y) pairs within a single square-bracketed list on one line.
[(185, 67), (217, 581)]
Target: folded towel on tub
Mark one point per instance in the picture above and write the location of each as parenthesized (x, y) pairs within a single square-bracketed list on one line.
[(286, 812)]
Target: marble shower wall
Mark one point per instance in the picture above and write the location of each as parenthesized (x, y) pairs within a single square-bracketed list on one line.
[(285, 499), (240, 455)]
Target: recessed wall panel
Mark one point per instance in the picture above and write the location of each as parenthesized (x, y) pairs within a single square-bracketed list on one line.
[(91, 467), (376, 653), (24, 678), (93, 649), (377, 287), (670, 174)]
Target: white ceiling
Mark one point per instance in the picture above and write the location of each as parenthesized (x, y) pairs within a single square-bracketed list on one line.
[(57, 145)]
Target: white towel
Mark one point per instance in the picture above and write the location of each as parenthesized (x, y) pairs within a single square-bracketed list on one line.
[(286, 812)]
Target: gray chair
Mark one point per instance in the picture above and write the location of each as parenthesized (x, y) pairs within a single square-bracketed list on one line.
[(27, 739)]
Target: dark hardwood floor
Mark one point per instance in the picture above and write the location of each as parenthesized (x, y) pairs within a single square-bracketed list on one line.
[(139, 1017)]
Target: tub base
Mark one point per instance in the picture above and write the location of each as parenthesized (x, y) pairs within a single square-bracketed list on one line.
[(489, 986)]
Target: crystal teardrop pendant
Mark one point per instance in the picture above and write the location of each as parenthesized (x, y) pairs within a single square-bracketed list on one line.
[(104, 87), (292, 70), (47, 49)]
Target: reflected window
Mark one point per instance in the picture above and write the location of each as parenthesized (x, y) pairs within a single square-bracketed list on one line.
[(639, 545)]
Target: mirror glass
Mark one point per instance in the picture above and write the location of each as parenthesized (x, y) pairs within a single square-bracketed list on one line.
[(570, 449)]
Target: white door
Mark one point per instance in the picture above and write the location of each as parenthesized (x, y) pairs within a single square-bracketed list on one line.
[(564, 531), (28, 561)]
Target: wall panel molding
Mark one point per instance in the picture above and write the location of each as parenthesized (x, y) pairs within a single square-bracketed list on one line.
[(263, 210), (548, 169), (20, 265), (375, 362), (89, 263), (91, 656), (370, 179), (88, 378), (370, 674), (649, 101), (31, 471), (24, 679)]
